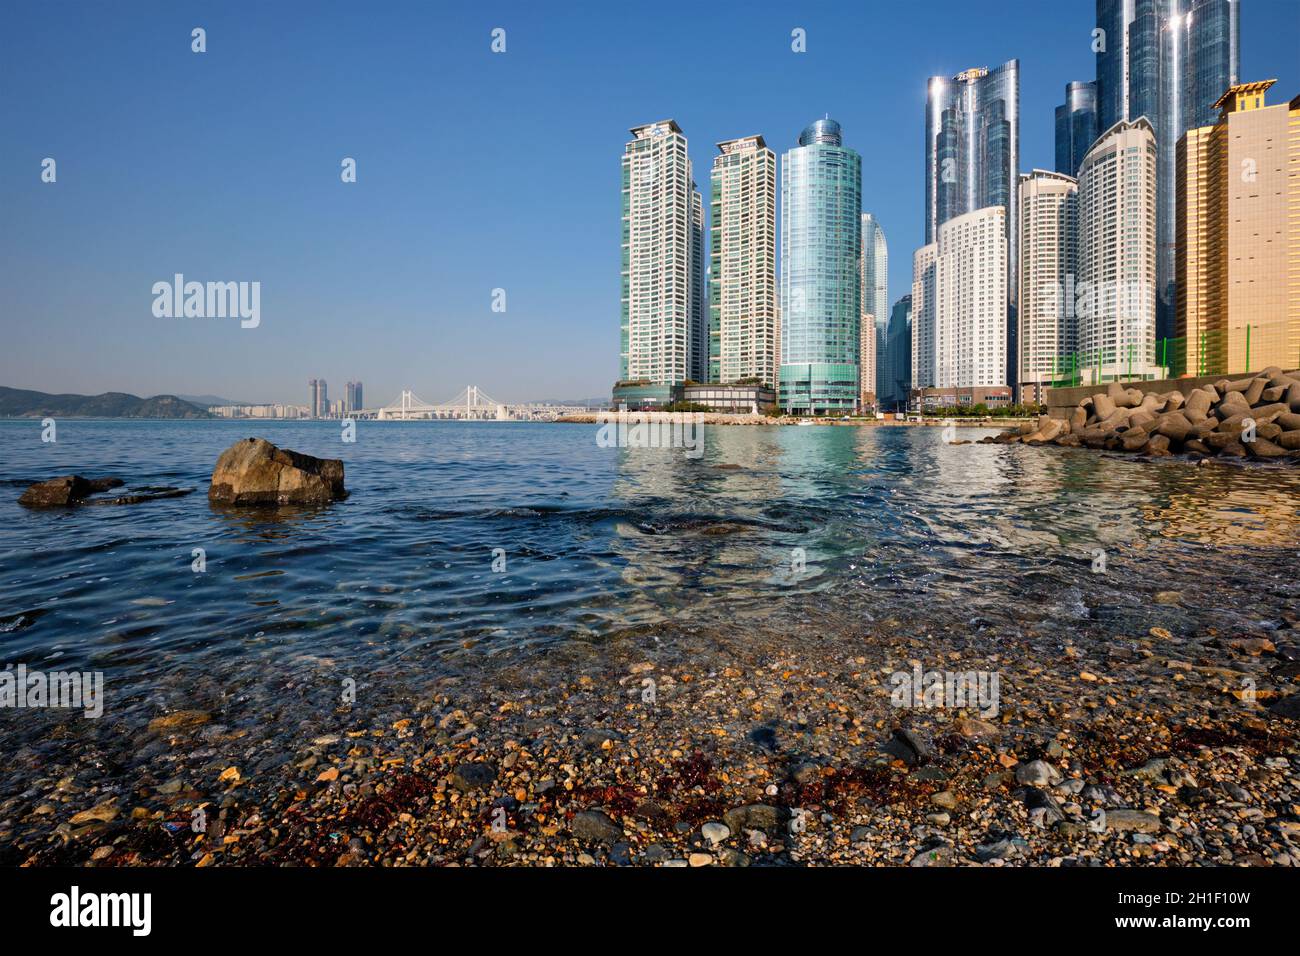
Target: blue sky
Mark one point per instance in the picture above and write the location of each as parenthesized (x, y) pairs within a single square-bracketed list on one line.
[(475, 170)]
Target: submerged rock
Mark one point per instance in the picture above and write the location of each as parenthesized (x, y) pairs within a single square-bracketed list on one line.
[(68, 490), (256, 472)]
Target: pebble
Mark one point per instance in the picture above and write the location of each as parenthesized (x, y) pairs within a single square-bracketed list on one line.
[(1037, 773), (715, 833), (595, 826)]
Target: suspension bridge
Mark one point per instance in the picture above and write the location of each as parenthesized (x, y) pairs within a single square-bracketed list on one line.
[(470, 404)]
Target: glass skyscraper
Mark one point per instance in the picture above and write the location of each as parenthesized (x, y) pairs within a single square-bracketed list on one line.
[(972, 156), (898, 357), (1170, 61), (821, 289), (1076, 126), (875, 270), (875, 300)]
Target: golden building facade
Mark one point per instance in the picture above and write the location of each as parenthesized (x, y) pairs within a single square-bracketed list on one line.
[(1238, 237)]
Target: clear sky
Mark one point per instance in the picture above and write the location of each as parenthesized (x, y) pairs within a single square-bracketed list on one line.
[(475, 170)]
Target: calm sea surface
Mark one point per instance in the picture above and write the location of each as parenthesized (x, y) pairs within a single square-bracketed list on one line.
[(397, 582)]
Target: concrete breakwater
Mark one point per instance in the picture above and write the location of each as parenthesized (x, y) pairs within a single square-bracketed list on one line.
[(1257, 416), (726, 418)]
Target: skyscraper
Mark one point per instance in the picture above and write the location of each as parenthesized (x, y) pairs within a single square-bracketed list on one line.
[(1167, 60), (319, 393), (875, 304), (972, 155), (821, 288), (1117, 255), (898, 384), (882, 355), (1238, 237), (699, 323), (1049, 211), (663, 337), (352, 400), (867, 357), (970, 295), (875, 269), (923, 267), (742, 285), (1076, 126)]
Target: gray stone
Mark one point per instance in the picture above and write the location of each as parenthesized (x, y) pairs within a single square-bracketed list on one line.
[(907, 747), (756, 816), (1037, 773), (1128, 820), (595, 826), (473, 776)]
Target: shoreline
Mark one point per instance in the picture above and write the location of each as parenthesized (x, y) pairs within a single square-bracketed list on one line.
[(1139, 751), (593, 418), (725, 418)]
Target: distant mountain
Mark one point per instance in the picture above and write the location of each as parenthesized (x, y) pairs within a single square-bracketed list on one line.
[(207, 401), (22, 403)]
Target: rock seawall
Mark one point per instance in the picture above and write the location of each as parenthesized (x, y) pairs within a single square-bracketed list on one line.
[(1255, 417)]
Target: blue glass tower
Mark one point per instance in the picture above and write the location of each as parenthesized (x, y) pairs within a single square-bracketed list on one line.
[(898, 367), (821, 290), (972, 158), (1076, 126), (1170, 61)]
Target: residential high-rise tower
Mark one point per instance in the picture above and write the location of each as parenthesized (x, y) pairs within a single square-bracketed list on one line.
[(1168, 61), (875, 269), (663, 334), (821, 287), (972, 156), (1047, 341), (743, 324), (1117, 255), (970, 300), (1238, 267)]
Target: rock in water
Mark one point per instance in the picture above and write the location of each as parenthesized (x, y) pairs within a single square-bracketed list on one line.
[(68, 490), (255, 472)]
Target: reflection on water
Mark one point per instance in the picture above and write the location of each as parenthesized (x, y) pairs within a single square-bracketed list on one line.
[(396, 580)]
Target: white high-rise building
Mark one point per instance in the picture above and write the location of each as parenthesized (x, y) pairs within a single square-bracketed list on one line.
[(970, 300), (663, 335), (875, 269), (1117, 255), (1049, 208), (743, 326), (923, 268)]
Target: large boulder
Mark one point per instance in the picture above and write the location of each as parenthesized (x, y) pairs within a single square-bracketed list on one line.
[(1103, 406), (68, 490), (255, 472)]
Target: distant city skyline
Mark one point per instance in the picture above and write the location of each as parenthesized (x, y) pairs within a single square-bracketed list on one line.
[(225, 166)]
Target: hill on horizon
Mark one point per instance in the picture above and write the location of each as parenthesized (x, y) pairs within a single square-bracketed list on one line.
[(26, 403), (207, 401)]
